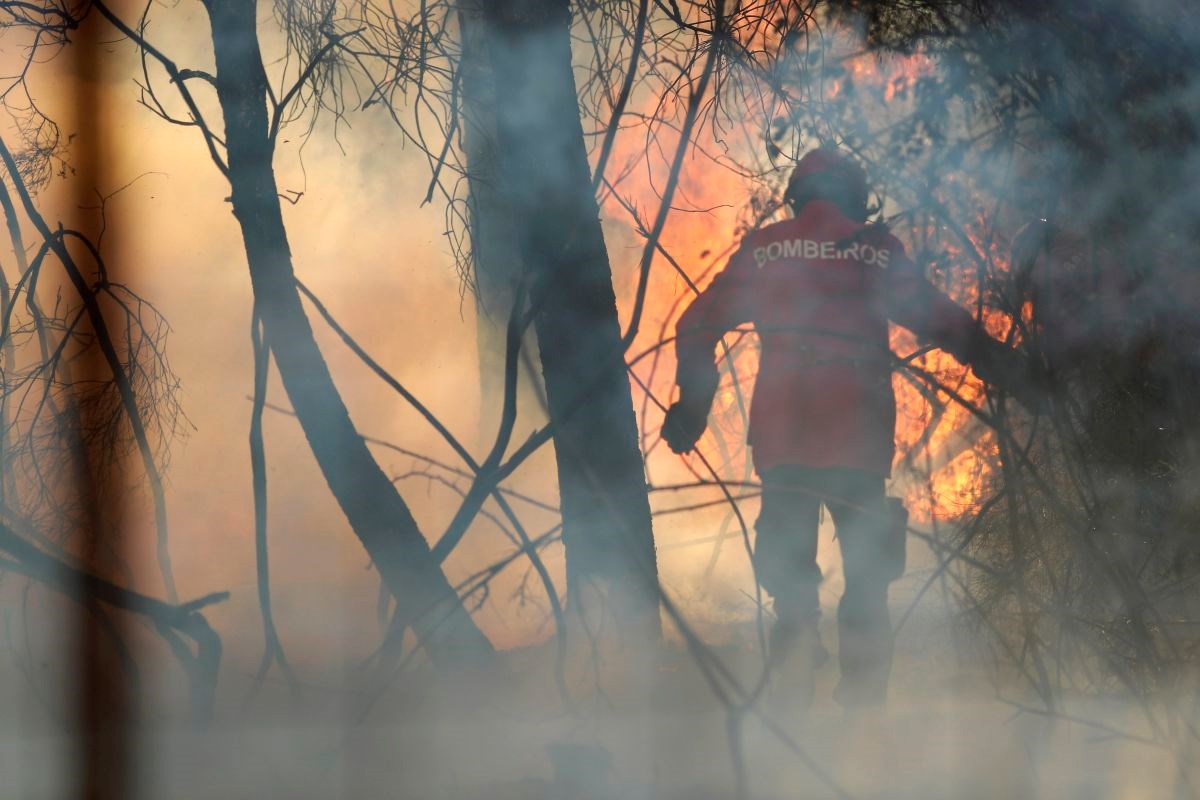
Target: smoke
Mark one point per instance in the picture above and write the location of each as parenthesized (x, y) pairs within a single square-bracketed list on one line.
[(1029, 670)]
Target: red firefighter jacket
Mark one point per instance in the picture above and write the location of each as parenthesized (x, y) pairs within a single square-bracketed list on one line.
[(820, 289)]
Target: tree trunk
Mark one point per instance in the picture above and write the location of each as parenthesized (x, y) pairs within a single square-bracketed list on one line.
[(495, 256), (543, 163), (373, 507)]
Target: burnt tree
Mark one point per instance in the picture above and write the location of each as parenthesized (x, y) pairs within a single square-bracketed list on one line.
[(542, 167), (376, 512), (495, 258), (368, 498)]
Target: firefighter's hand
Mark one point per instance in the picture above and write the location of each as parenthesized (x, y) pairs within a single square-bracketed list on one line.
[(684, 425)]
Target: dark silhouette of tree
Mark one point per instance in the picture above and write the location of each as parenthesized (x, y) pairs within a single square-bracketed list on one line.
[(546, 180), (507, 84), (371, 503), (495, 264)]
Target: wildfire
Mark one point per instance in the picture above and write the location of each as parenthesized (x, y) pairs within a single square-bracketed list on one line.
[(944, 455)]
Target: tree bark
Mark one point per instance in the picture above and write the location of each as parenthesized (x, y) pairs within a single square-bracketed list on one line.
[(495, 256), (547, 183), (373, 507)]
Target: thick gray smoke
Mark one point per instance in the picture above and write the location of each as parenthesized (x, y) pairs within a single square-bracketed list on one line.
[(1039, 163)]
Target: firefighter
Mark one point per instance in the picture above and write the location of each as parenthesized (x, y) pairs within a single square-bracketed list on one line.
[(820, 288)]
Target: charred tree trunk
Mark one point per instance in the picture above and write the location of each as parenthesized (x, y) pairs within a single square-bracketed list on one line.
[(547, 183), (374, 508), (495, 256)]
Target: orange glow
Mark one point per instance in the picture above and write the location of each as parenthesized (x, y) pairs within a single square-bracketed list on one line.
[(712, 211)]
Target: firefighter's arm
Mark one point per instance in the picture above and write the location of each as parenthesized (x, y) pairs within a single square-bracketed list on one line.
[(724, 305), (916, 304)]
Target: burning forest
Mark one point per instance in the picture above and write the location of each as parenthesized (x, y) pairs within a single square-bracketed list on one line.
[(649, 399)]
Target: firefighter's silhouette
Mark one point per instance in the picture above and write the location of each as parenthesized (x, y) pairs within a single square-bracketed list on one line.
[(820, 288)]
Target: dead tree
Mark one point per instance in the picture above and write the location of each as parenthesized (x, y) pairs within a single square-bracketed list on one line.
[(371, 503), (496, 265), (376, 512), (546, 179), (509, 88)]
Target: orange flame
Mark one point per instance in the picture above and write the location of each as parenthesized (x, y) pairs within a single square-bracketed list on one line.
[(946, 441)]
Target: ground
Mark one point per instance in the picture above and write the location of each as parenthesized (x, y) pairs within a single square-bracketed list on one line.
[(948, 732)]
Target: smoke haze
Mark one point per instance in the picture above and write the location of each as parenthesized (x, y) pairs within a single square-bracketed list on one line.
[(964, 721)]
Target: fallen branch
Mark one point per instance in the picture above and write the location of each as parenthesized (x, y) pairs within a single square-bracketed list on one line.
[(170, 620)]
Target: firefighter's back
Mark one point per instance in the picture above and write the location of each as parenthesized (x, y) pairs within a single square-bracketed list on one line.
[(823, 395)]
